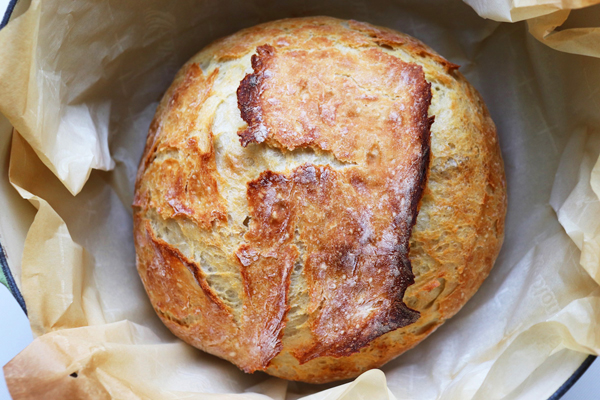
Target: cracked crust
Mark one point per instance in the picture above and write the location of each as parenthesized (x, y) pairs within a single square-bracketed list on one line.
[(290, 182), (299, 98)]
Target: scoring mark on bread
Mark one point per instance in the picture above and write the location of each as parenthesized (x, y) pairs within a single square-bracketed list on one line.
[(182, 235), (354, 222), (248, 95)]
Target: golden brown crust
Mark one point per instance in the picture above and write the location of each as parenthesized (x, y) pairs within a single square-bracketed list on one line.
[(189, 185), (290, 251), (266, 286), (390, 38), (299, 98), (194, 304)]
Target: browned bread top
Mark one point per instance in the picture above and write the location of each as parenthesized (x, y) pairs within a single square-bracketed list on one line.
[(283, 174)]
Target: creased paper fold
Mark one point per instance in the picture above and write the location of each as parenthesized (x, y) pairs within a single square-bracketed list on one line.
[(519, 10)]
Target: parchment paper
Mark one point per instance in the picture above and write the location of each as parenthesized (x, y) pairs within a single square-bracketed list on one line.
[(80, 81)]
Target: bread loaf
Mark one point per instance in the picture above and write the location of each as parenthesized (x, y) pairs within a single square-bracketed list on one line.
[(316, 196)]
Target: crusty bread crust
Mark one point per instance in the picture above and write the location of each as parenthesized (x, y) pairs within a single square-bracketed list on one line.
[(292, 174)]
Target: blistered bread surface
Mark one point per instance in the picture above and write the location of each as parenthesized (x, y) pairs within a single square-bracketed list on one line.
[(316, 196)]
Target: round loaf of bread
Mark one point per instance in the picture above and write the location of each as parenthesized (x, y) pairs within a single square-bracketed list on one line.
[(316, 196)]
